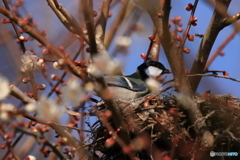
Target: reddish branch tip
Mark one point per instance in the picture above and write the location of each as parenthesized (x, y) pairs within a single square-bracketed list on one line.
[(150, 37), (41, 87), (5, 21), (191, 37), (30, 95), (179, 38), (26, 80), (189, 7), (225, 73), (127, 149), (187, 71), (186, 50), (95, 13), (143, 56), (54, 77), (3, 146), (179, 29), (178, 18), (221, 53), (179, 24), (160, 15), (194, 23), (65, 151), (109, 142), (10, 157), (45, 51), (172, 111), (107, 114), (88, 49), (193, 19), (109, 14)]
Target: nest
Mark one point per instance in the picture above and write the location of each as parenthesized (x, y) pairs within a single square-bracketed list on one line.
[(157, 126)]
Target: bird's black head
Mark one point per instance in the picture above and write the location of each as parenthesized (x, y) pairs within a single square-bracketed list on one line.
[(152, 69)]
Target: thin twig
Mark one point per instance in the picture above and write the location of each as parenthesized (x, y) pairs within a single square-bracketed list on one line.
[(207, 42), (220, 48), (101, 26), (112, 105), (214, 75), (116, 24), (188, 26)]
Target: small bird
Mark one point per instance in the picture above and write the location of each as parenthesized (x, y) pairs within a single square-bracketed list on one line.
[(126, 88)]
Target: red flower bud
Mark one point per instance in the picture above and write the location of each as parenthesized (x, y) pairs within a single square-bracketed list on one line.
[(160, 15), (109, 14), (150, 37), (179, 29), (143, 56), (95, 13), (109, 142), (5, 20), (191, 37), (186, 50), (179, 38), (193, 19)]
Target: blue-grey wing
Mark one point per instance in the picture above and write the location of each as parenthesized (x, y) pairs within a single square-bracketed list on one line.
[(129, 83)]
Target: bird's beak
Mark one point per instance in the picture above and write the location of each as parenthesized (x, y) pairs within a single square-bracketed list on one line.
[(166, 71)]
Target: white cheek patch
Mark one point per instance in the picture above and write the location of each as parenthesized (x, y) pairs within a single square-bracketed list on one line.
[(153, 71)]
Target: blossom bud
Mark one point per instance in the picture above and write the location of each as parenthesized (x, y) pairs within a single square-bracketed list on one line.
[(109, 142), (5, 21), (179, 38), (143, 56), (160, 15), (186, 50), (26, 80), (54, 77), (191, 37), (41, 87), (193, 19)]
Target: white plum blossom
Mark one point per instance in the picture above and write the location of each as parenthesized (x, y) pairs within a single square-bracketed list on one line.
[(49, 110), (30, 157), (184, 100), (4, 88), (123, 41), (30, 62), (153, 84), (73, 92), (4, 116), (30, 107), (103, 64), (5, 108)]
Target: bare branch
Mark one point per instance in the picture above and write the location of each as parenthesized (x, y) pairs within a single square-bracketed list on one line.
[(207, 42), (116, 24), (101, 26), (175, 58), (213, 75), (67, 19), (112, 105), (16, 92), (42, 40), (220, 48)]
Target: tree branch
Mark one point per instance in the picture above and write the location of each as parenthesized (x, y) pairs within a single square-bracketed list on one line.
[(175, 59), (207, 42), (112, 105)]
